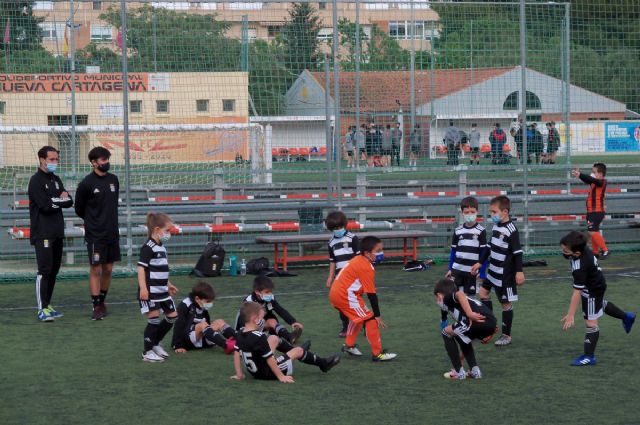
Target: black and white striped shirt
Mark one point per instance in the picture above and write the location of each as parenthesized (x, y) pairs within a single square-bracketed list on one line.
[(153, 257), (343, 249), (505, 257), (468, 243), (587, 275)]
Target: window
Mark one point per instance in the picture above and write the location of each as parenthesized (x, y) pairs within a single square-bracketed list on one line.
[(404, 30), (171, 5), (273, 30), (322, 5), (101, 33), (228, 105), (417, 4), (3, 107), (135, 106), (53, 120), (162, 106), (202, 105), (376, 6), (245, 6), (252, 34), (43, 5), (325, 34), (208, 6), (512, 102), (51, 31), (534, 118), (97, 5)]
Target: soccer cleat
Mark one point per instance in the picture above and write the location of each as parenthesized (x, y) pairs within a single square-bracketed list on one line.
[(151, 356), (503, 340), (342, 334), (44, 316), (604, 255), (104, 309), (453, 375), (351, 350), (295, 335), (628, 320), (584, 360), (330, 362), (384, 356), (160, 351), (230, 346), (488, 339), (53, 313), (98, 313), (475, 373), (306, 345)]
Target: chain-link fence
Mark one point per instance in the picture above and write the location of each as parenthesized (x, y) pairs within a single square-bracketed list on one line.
[(235, 116)]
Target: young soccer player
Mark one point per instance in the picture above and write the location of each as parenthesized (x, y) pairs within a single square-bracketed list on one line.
[(355, 279), (589, 286), (595, 206), (154, 289), (467, 243), (256, 350), (343, 246), (194, 330), (505, 265), (263, 294), (472, 320)]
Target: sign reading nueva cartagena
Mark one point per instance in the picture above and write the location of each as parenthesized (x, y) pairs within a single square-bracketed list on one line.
[(61, 83)]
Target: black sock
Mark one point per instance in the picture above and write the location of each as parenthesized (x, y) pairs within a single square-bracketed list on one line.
[(452, 351), (310, 358), (345, 322), (102, 296), (507, 321), (610, 309), (469, 354), (150, 333), (284, 346), (163, 328), (443, 315), (95, 300), (487, 302), (228, 332), (282, 332), (214, 337), (591, 340)]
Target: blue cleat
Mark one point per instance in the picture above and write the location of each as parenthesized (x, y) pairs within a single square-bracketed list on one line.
[(584, 360), (443, 324), (628, 320), (53, 313), (44, 316)]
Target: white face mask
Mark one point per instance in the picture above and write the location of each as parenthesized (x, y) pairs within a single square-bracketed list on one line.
[(165, 237), (593, 175), (207, 306), (469, 218), (442, 306)]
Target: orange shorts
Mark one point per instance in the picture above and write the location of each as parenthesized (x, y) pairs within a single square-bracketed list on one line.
[(355, 313)]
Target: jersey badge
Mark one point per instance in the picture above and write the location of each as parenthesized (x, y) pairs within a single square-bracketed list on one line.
[(96, 190), (112, 187)]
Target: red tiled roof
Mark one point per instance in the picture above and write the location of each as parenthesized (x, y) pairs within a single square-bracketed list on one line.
[(379, 90)]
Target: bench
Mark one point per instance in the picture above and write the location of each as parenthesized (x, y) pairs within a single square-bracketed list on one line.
[(284, 258)]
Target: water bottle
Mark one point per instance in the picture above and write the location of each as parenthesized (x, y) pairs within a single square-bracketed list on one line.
[(243, 268), (233, 265)]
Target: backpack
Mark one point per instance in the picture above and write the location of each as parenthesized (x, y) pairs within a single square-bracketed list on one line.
[(210, 262), (498, 136), (257, 265)]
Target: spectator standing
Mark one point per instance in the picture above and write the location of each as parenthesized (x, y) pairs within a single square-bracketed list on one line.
[(97, 204), (396, 140), (360, 142), (497, 138), (47, 197), (553, 143), (474, 143), (415, 146), (452, 142), (348, 145), (386, 149)]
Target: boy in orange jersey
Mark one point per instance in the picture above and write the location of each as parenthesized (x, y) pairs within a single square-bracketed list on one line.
[(595, 206), (355, 279)]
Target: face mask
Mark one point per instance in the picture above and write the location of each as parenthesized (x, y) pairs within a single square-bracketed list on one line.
[(593, 175), (496, 219), (104, 167), (207, 306), (469, 218), (165, 237), (441, 305), (339, 233), (379, 257), (267, 298), (51, 167), (260, 323)]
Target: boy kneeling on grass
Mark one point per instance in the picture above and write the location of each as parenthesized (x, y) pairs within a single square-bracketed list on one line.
[(256, 350)]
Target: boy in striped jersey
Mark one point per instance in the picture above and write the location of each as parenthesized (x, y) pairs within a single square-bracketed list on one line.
[(154, 289), (467, 243), (595, 206), (589, 285), (343, 246), (505, 265)]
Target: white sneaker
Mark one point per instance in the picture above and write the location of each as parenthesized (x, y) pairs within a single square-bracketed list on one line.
[(503, 340), (384, 357), (160, 351), (475, 373), (150, 356), (351, 350), (452, 374)]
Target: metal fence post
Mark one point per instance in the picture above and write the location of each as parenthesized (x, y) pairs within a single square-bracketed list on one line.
[(218, 191), (125, 128), (361, 193), (462, 180), (337, 133), (329, 136), (523, 106)]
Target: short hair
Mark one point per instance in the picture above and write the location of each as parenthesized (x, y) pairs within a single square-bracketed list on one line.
[(99, 152), (498, 124), (44, 151), (469, 202), (203, 291), (601, 168), (249, 309), (450, 122), (445, 287), (156, 220), (336, 220), (388, 125), (503, 202), (260, 283), (368, 243), (575, 241)]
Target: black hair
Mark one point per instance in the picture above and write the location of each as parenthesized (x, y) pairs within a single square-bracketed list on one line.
[(368, 243), (469, 202), (203, 291), (99, 152), (503, 202), (601, 168), (335, 220), (445, 287), (497, 125), (44, 151), (575, 241), (260, 283), (451, 123)]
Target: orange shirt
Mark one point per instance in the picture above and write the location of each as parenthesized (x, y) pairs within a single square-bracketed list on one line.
[(355, 279)]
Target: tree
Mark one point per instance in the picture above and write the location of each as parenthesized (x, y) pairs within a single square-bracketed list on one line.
[(268, 77), (299, 37)]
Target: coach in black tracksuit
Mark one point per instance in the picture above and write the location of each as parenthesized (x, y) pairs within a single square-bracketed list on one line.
[(47, 197), (97, 204)]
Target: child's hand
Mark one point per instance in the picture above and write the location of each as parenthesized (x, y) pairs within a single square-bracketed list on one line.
[(447, 275), (180, 350), (476, 317), (172, 289), (575, 172), (381, 323), (520, 278), (567, 322), (297, 325), (329, 282), (475, 268), (238, 377), (144, 294), (286, 379)]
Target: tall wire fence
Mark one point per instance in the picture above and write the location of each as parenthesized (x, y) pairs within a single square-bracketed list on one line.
[(236, 117)]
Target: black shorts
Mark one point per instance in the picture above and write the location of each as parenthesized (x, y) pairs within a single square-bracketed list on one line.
[(465, 282), (362, 150), (194, 343), (477, 330), (594, 219), (592, 305), (103, 253), (415, 149), (386, 152), (166, 306), (507, 293), (349, 153), (284, 364), (475, 150)]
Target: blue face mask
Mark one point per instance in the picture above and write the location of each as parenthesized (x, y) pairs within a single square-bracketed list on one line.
[(52, 167), (496, 219), (267, 298), (379, 257), (339, 233)]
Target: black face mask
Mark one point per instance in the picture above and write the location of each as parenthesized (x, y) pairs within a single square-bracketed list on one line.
[(104, 167)]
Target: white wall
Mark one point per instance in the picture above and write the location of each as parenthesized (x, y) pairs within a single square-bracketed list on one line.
[(298, 134)]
